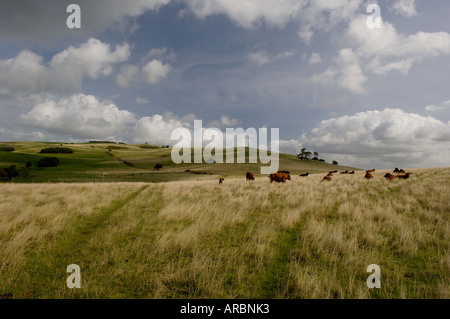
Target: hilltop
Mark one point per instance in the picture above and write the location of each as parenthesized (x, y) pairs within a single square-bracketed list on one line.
[(111, 162)]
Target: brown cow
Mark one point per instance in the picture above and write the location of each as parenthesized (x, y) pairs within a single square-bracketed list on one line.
[(406, 176), (249, 176), (352, 172), (326, 178), (370, 170), (368, 175), (279, 177), (389, 176), (330, 174), (221, 180), (346, 172)]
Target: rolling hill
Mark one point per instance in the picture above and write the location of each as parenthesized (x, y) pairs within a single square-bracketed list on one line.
[(110, 162)]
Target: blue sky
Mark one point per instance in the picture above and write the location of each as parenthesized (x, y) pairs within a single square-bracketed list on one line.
[(138, 69)]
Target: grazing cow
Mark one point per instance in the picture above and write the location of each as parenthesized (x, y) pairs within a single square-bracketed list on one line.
[(304, 175), (370, 170), (335, 171), (326, 178), (330, 174), (352, 172), (279, 177), (221, 180), (389, 176), (368, 175), (406, 176), (346, 172), (249, 176)]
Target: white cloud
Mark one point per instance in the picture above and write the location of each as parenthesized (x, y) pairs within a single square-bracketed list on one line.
[(156, 129), (315, 58), (387, 50), (386, 138), (346, 72), (405, 7), (224, 122), (28, 72), (261, 57), (84, 117), (249, 13), (93, 58), (140, 100), (155, 71), (151, 73), (379, 51), (15, 135), (311, 16), (81, 116), (439, 107)]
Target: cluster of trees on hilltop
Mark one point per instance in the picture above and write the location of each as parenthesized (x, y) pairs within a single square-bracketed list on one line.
[(306, 155)]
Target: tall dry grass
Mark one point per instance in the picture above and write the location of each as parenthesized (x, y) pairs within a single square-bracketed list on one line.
[(302, 239)]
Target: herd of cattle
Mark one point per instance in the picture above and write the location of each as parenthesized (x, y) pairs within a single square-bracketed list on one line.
[(283, 176)]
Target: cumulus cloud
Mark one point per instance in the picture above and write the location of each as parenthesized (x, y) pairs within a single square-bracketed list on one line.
[(380, 51), (346, 72), (156, 129), (311, 16), (248, 13), (405, 7), (387, 50), (151, 73), (29, 73), (382, 139), (81, 116)]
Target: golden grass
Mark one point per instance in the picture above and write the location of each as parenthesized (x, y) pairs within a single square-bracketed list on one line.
[(302, 239)]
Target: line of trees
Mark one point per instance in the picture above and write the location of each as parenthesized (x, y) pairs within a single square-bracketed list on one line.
[(306, 155)]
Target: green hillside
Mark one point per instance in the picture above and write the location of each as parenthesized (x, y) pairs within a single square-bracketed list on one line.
[(132, 163)]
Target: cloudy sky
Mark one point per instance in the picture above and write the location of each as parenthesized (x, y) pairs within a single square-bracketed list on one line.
[(138, 69)]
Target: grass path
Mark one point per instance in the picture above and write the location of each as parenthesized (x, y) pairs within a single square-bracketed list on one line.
[(46, 270)]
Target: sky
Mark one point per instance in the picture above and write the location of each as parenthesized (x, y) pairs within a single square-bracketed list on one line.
[(138, 69)]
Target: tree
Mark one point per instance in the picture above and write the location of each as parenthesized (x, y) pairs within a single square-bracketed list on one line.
[(48, 162), (334, 162), (301, 156)]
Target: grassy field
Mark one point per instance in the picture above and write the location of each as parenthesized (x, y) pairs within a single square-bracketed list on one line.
[(199, 239), (130, 163)]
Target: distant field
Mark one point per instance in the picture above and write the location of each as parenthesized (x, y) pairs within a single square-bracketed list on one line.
[(130, 163), (199, 239)]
